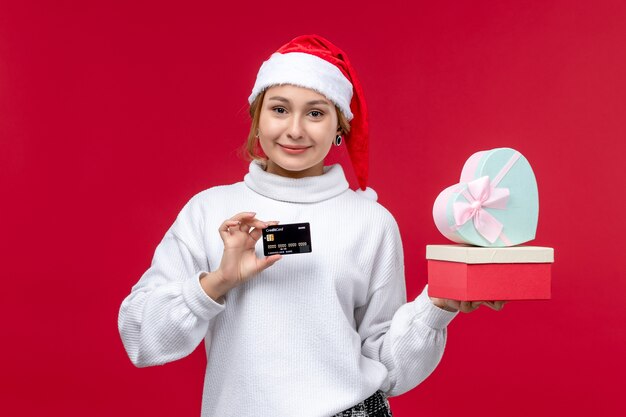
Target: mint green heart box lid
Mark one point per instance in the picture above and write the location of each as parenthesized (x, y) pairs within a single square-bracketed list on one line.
[(495, 204)]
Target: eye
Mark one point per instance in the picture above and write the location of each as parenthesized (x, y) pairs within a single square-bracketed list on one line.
[(316, 114), (279, 110)]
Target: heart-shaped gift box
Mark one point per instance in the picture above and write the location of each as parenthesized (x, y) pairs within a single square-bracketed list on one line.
[(495, 204)]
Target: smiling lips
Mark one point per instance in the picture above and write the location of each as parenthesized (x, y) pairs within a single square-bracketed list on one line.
[(294, 150)]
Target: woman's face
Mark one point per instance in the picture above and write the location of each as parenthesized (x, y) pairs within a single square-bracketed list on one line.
[(297, 127)]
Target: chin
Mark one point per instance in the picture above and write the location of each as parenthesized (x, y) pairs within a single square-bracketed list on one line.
[(294, 167)]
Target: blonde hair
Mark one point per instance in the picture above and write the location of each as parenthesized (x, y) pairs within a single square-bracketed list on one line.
[(252, 146)]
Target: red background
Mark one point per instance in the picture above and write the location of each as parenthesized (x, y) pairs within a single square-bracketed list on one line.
[(112, 116)]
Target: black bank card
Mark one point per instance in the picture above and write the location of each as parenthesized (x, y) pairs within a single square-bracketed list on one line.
[(287, 239)]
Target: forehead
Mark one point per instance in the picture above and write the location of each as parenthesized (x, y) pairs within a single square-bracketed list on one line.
[(295, 93)]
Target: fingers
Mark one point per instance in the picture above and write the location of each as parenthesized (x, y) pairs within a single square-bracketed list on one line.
[(475, 304), (265, 263), (247, 224), (455, 305), (469, 306), (452, 305), (234, 223), (242, 222), (225, 228), (257, 232), (247, 220), (495, 305)]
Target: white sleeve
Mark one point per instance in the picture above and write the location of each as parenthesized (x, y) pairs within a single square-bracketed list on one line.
[(408, 338), (167, 313)]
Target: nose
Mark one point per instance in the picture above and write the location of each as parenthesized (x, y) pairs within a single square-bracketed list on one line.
[(295, 129)]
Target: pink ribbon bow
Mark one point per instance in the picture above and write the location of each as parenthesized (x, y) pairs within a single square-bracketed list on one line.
[(480, 194)]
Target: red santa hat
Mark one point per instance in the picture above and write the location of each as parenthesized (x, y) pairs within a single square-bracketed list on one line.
[(313, 62)]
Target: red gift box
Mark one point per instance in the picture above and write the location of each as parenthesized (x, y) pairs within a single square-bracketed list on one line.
[(469, 273)]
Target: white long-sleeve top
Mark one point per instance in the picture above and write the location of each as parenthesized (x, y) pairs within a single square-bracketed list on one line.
[(312, 335)]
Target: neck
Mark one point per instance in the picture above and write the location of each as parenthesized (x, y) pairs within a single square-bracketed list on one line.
[(274, 168), (311, 189)]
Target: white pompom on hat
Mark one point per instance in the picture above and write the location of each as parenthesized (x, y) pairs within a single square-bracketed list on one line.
[(313, 62)]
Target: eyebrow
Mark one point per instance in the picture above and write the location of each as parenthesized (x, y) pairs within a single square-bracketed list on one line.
[(309, 103)]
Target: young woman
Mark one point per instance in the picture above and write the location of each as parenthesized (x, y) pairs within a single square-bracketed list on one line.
[(321, 333)]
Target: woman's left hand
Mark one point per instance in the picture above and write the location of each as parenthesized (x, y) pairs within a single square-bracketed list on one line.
[(466, 306)]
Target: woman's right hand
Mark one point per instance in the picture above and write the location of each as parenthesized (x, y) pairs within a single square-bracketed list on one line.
[(239, 262)]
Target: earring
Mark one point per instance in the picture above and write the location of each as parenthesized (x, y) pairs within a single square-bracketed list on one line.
[(337, 141), (257, 134)]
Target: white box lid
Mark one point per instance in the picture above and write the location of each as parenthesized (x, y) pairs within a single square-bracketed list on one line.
[(478, 255)]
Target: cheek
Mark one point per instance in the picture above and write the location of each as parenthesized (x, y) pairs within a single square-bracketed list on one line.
[(266, 141), (269, 127), (325, 134)]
